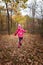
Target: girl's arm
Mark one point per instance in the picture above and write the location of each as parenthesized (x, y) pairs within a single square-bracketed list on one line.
[(24, 31), (16, 32)]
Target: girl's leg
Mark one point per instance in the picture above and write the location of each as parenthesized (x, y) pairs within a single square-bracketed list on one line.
[(20, 42)]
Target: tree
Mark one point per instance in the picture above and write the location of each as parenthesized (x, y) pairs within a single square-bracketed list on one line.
[(33, 6), (21, 0), (33, 13), (14, 7), (6, 2), (39, 11), (41, 8), (1, 23)]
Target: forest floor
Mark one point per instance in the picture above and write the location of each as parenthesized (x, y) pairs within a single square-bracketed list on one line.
[(30, 53)]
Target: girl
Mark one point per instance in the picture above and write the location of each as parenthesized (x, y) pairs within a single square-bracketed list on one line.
[(20, 31)]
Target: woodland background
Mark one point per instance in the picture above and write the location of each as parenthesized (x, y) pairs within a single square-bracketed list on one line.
[(31, 51)]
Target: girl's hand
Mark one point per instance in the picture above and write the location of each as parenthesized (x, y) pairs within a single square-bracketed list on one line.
[(15, 34)]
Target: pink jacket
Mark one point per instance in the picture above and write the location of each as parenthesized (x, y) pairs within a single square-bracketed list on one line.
[(20, 32)]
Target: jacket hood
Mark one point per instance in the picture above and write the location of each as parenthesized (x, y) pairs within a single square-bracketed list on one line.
[(19, 26)]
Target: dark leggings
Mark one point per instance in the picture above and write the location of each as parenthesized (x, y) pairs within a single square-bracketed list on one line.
[(20, 39)]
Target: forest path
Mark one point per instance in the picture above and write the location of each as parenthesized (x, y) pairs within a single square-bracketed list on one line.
[(30, 53)]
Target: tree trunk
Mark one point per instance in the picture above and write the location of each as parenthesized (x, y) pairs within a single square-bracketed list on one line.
[(11, 18), (42, 22), (33, 14), (8, 19), (1, 23)]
